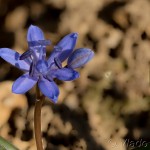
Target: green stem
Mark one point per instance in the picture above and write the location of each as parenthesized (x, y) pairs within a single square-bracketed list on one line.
[(37, 119)]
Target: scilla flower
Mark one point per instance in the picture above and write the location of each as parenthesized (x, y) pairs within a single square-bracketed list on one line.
[(42, 71)]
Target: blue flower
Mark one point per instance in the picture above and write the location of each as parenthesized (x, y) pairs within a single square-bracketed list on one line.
[(42, 71)]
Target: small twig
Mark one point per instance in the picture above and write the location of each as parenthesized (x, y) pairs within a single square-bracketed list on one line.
[(37, 119)]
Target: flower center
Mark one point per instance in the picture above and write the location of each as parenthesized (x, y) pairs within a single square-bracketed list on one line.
[(42, 67)]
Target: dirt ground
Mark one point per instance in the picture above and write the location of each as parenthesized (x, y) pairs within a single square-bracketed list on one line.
[(108, 107)]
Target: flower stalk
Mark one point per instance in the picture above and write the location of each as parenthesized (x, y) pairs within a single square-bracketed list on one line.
[(37, 119)]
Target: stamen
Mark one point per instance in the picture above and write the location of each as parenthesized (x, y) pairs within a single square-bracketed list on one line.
[(39, 43), (26, 54), (58, 62), (42, 53), (32, 68), (56, 51)]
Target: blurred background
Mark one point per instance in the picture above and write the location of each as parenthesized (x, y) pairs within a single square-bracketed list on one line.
[(108, 107)]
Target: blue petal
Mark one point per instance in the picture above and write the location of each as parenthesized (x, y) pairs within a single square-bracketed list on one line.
[(35, 34), (49, 89), (67, 44), (13, 58), (80, 57), (65, 74), (64, 48), (23, 84)]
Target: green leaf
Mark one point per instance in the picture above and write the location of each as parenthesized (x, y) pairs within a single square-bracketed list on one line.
[(145, 147), (5, 145)]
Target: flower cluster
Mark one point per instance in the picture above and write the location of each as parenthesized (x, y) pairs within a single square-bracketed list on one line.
[(42, 71)]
